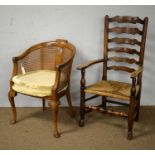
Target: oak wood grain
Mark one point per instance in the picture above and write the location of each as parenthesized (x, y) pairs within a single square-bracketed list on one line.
[(125, 41)]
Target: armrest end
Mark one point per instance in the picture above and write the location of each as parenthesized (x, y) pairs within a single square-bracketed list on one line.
[(136, 72), (15, 59)]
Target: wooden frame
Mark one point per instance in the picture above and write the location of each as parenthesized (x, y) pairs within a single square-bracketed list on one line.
[(59, 66), (136, 74)]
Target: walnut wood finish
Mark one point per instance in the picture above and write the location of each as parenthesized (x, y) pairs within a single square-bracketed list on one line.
[(54, 55), (135, 74)]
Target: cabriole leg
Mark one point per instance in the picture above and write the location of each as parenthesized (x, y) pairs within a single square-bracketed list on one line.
[(55, 107), (11, 96)]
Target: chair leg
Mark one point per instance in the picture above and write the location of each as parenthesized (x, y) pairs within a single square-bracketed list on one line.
[(137, 110), (55, 106), (71, 111), (131, 118), (44, 105), (82, 108), (13, 108), (104, 102)]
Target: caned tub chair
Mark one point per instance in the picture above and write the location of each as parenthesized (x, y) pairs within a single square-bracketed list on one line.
[(43, 71), (122, 51)]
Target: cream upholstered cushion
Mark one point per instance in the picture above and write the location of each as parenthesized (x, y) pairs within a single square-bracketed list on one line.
[(115, 89), (37, 83)]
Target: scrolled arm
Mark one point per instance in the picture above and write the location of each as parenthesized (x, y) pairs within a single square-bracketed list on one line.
[(89, 63), (136, 72)]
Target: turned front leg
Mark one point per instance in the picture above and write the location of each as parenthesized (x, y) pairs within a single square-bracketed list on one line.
[(82, 98), (131, 110)]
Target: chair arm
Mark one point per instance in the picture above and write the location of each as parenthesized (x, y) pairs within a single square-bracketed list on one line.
[(89, 63), (14, 70), (15, 65), (21, 56), (57, 82), (136, 72), (59, 66)]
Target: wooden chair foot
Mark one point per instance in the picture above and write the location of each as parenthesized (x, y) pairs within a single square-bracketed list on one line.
[(56, 134), (81, 123), (130, 135), (54, 106), (13, 122)]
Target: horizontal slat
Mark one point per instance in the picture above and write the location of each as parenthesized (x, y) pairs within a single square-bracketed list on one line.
[(124, 50), (126, 19), (121, 68), (123, 59), (125, 41), (125, 30)]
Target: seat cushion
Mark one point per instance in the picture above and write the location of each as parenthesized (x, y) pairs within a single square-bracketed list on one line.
[(37, 83), (113, 89)]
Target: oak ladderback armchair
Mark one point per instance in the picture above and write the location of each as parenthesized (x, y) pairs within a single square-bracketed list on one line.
[(43, 71), (131, 49)]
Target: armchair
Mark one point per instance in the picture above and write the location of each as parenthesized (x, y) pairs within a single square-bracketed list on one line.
[(112, 91), (43, 71)]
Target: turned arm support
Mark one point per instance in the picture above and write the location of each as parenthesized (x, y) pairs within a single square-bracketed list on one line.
[(84, 66), (88, 64)]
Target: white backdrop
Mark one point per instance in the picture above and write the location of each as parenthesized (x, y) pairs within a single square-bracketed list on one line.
[(23, 26)]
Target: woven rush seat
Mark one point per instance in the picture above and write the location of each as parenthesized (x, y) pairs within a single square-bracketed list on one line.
[(115, 89), (37, 83)]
